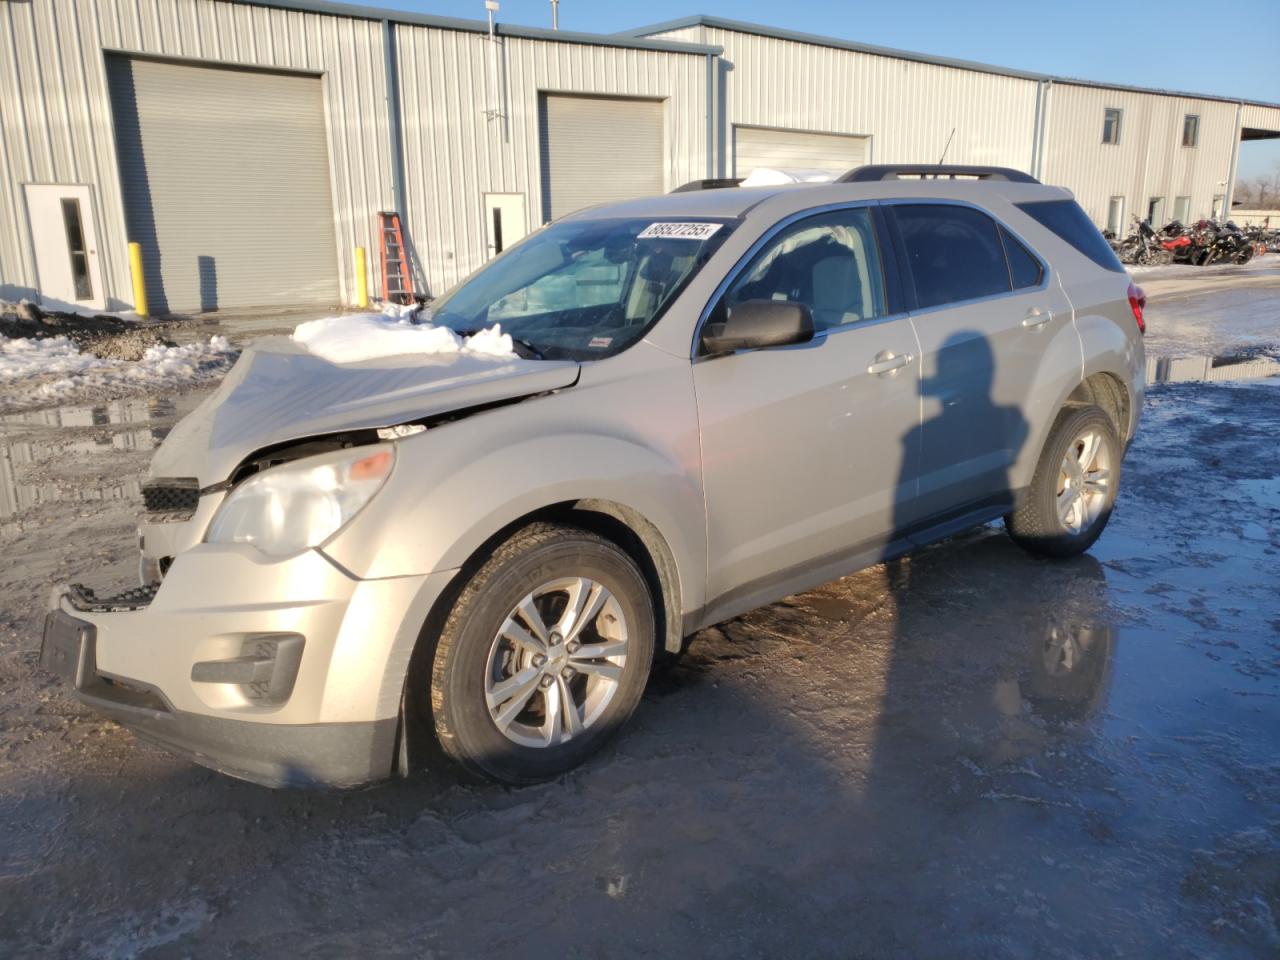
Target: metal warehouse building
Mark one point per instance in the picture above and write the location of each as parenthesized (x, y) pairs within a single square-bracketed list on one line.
[(248, 146)]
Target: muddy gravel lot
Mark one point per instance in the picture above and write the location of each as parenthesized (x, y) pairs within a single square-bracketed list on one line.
[(966, 753)]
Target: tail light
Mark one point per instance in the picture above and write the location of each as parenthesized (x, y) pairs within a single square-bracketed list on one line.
[(1138, 303)]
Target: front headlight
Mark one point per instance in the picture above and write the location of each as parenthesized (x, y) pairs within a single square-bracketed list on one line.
[(288, 508)]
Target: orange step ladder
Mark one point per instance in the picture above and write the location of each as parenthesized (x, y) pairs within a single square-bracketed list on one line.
[(397, 284)]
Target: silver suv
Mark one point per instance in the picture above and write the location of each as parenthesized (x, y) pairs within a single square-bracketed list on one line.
[(721, 397)]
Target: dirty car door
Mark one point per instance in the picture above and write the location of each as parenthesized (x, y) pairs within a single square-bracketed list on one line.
[(984, 313), (809, 451)]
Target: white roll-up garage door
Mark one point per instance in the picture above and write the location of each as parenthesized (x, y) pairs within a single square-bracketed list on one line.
[(792, 149), (226, 184), (598, 150)]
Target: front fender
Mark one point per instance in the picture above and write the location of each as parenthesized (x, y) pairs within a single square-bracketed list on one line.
[(456, 486)]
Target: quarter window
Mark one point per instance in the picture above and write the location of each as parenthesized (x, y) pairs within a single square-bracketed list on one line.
[(954, 253), (1111, 125), (1024, 269), (829, 262), (1190, 130), (1069, 222)]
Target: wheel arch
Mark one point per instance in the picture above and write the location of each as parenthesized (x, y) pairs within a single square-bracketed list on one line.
[(1107, 391), (624, 526)]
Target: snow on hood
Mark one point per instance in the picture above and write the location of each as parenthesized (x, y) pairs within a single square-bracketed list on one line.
[(394, 333), (280, 390)]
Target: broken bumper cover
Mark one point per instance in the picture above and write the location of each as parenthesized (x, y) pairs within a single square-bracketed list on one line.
[(280, 672)]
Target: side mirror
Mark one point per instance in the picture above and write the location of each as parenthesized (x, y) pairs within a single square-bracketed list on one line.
[(756, 324)]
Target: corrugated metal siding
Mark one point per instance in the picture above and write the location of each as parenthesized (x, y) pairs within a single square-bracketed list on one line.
[(225, 174), (908, 109), (1149, 161), (53, 85), (454, 154), (1260, 118)]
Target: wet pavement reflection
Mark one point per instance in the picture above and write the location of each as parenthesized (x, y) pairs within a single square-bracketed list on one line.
[(1211, 369), (31, 440)]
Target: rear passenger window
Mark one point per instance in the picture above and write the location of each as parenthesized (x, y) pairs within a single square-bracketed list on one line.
[(954, 253), (1068, 221), (1024, 269), (828, 262)]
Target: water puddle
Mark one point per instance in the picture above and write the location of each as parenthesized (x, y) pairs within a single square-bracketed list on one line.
[(1210, 369), (75, 436)]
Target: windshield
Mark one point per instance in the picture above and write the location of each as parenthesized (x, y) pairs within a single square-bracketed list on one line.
[(583, 289)]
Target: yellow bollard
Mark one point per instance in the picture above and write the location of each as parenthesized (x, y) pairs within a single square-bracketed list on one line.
[(139, 282), (362, 279)]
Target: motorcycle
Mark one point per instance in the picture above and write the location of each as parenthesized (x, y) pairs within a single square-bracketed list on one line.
[(1144, 246)]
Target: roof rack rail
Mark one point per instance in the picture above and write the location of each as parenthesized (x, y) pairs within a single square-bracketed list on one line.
[(896, 171), (712, 183)]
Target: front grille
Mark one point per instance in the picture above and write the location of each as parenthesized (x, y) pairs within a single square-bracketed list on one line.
[(83, 598), (176, 497)]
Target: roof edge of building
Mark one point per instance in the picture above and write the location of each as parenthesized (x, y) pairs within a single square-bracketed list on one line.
[(781, 33), (361, 12)]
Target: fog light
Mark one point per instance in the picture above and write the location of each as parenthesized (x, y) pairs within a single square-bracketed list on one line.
[(265, 670)]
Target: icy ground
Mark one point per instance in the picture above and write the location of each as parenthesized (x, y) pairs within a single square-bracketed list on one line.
[(966, 753), (1212, 310)]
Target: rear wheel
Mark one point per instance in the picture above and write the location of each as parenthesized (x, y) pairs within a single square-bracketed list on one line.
[(544, 656), (1074, 487)]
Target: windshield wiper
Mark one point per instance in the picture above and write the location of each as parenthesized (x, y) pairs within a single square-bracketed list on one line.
[(529, 348)]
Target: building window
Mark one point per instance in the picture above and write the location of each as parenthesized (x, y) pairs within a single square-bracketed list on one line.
[(1190, 130), (1155, 212), (76, 248), (1111, 126), (1115, 217), (1181, 209)]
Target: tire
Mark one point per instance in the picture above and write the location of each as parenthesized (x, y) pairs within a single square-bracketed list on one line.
[(541, 568), (1038, 524)]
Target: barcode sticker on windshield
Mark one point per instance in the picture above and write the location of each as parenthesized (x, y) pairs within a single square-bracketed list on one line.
[(679, 231)]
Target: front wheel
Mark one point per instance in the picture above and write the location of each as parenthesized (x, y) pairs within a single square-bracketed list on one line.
[(1074, 487), (545, 655)]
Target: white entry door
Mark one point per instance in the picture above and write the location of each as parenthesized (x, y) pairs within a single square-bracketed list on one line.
[(504, 220), (66, 245)]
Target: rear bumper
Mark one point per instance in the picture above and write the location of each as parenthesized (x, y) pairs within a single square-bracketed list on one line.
[(286, 672)]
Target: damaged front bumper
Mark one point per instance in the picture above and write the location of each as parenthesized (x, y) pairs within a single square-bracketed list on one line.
[(283, 672)]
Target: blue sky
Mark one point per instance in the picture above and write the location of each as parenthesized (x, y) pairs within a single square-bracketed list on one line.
[(1227, 49)]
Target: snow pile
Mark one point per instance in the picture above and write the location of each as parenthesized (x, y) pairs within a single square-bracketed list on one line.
[(35, 372), (369, 336)]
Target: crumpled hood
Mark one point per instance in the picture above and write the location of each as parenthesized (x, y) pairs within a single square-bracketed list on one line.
[(278, 392)]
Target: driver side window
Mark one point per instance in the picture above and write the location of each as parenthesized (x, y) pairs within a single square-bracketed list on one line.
[(828, 262)]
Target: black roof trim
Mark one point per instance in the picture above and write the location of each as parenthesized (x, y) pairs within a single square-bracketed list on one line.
[(874, 173), (710, 183), (779, 33)]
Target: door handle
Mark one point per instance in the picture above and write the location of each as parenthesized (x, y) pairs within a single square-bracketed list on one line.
[(1036, 317), (886, 363)]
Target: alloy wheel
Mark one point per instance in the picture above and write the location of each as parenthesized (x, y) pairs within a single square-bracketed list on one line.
[(556, 662), (1084, 482)]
